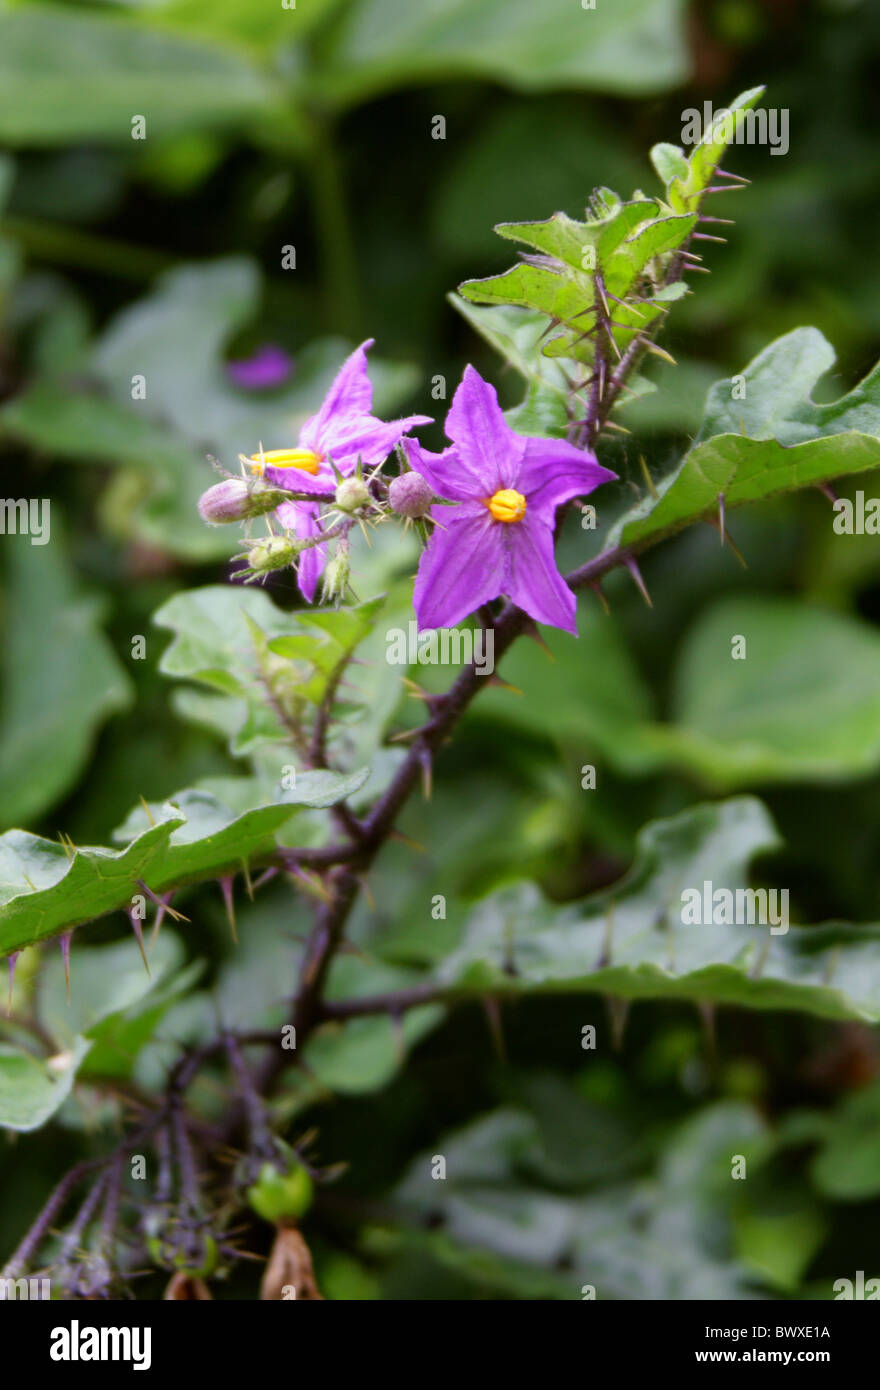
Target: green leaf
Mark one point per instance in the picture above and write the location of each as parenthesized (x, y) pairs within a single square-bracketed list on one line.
[(670, 1238), (327, 643), (165, 479), (847, 1167), (219, 632), (68, 76), (773, 397), (221, 832), (256, 27), (779, 714), (31, 1090), (740, 470), (108, 980), (199, 835), (176, 338), (61, 677), (630, 942), (278, 666), (669, 161), (778, 1244), (634, 46), (685, 191), (629, 243), (46, 888)]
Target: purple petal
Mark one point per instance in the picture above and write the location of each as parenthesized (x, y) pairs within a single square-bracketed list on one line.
[(269, 366), (367, 438), (351, 393), (534, 583), (302, 518), (445, 473), (463, 566), (488, 449), (298, 480), (553, 471)]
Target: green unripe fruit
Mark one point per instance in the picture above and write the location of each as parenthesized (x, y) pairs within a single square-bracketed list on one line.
[(281, 1196)]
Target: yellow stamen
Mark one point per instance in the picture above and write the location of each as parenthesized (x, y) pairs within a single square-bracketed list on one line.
[(507, 505), (303, 459)]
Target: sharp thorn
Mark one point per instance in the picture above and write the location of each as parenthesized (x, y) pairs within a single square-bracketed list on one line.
[(160, 916), (249, 887), (226, 888), (266, 876), (618, 1010), (646, 474), (637, 579), (662, 354), (161, 902), (600, 595), (425, 761), (406, 840), (139, 938), (496, 1029)]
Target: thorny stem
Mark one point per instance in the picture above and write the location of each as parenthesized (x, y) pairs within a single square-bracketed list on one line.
[(342, 865), (371, 833)]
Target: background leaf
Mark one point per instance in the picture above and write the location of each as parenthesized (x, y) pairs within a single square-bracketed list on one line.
[(61, 676)]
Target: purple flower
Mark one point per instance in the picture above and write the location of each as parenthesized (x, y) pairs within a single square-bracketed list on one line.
[(498, 538), (268, 367), (342, 433)]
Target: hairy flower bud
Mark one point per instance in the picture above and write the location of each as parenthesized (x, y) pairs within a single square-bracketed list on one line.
[(410, 495), (352, 495), (273, 553), (236, 500), (336, 574)]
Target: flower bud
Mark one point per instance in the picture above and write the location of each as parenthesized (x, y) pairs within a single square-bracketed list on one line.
[(236, 500), (273, 553), (334, 581), (352, 495), (410, 495)]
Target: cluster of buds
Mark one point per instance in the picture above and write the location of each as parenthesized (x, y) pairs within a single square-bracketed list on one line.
[(354, 499)]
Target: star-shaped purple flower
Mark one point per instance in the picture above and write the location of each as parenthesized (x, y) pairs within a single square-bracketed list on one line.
[(498, 537), (342, 432)]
